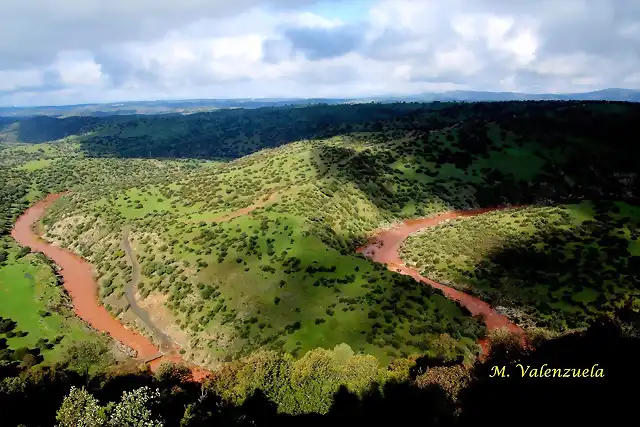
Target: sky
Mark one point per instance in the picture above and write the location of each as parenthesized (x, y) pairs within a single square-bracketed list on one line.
[(82, 51)]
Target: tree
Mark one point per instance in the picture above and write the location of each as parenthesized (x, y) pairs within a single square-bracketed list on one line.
[(80, 409), (25, 250), (132, 410), (171, 374), (29, 360), (7, 325), (86, 357), (20, 353)]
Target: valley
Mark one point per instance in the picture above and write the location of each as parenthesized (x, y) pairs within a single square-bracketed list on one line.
[(328, 246)]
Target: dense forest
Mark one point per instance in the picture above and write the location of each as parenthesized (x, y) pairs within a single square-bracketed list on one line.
[(241, 235)]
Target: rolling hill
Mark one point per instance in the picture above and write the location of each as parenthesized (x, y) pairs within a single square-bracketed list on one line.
[(245, 224)]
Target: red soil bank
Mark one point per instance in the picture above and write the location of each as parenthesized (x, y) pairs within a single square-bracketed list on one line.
[(79, 282), (384, 248)]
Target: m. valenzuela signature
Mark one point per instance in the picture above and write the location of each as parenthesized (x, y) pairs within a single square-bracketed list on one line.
[(546, 372)]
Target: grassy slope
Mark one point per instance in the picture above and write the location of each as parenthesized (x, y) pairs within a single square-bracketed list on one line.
[(29, 289), (250, 305), (28, 284)]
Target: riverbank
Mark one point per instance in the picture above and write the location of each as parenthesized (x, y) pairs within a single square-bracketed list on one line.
[(384, 248)]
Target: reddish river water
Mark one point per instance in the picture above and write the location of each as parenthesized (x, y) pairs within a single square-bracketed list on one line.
[(80, 283), (384, 247)]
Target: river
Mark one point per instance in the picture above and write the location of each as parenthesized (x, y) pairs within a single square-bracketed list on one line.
[(384, 248)]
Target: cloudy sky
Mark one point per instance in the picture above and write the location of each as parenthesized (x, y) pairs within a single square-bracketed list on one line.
[(75, 51)]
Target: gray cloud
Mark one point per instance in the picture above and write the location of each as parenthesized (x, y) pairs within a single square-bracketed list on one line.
[(34, 31), (249, 48), (395, 44), (593, 28), (599, 39), (276, 50), (51, 81), (322, 43), (115, 68), (332, 75)]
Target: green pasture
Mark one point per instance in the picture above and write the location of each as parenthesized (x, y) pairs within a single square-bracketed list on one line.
[(28, 295)]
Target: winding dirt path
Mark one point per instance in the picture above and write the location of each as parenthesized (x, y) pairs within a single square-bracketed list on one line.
[(384, 248), (79, 282), (166, 343), (259, 203)]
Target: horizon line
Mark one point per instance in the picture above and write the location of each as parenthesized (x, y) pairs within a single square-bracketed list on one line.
[(277, 98)]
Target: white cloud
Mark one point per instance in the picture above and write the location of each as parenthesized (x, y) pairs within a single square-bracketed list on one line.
[(11, 80), (458, 60), (564, 65), (75, 68), (633, 79), (81, 51)]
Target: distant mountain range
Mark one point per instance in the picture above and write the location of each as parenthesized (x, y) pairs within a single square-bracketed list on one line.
[(629, 95), (201, 105)]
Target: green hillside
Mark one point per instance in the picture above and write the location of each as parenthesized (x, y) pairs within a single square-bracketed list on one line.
[(36, 318), (274, 277), (245, 224), (556, 267), (285, 275)]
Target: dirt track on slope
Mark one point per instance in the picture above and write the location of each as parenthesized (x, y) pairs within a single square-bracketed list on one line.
[(261, 202), (166, 343)]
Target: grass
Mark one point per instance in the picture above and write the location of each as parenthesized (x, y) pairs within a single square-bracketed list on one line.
[(250, 292), (29, 289), (135, 203), (36, 164)]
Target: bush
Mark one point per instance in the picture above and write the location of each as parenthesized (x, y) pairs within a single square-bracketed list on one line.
[(25, 250), (20, 353), (29, 360)]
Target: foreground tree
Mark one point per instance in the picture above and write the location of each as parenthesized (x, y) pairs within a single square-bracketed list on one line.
[(133, 411), (81, 409)]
